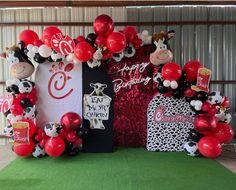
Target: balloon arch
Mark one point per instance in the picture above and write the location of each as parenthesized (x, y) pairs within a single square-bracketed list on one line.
[(211, 123)]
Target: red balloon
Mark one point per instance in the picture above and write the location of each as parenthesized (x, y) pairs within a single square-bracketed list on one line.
[(38, 43), (213, 110), (116, 42), (48, 33), (103, 25), (43, 141), (32, 126), (83, 51), (101, 41), (24, 149), (209, 147), (78, 142), (191, 69), (206, 107), (80, 39), (16, 109), (71, 121), (71, 136), (189, 92), (205, 124), (54, 146), (224, 133), (63, 133), (225, 103), (28, 37), (130, 33), (171, 71), (130, 29)]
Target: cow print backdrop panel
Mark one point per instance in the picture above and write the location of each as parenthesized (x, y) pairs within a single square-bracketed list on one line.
[(169, 122), (133, 85)]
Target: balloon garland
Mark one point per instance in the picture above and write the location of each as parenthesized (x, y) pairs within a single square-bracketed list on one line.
[(212, 120)]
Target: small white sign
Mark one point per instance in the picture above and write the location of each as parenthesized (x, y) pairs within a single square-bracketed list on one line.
[(96, 106)]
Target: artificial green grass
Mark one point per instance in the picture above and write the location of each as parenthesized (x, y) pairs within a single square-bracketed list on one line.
[(125, 169)]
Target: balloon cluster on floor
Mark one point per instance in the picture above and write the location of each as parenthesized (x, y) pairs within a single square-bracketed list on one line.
[(211, 124)]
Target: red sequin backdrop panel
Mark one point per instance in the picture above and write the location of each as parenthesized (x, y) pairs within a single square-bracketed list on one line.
[(134, 88)]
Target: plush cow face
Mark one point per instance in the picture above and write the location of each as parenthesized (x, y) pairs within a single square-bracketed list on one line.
[(52, 129), (19, 68), (25, 86), (129, 51), (215, 97), (38, 152), (162, 54), (30, 113), (8, 130), (98, 88), (118, 56), (56, 57), (191, 148)]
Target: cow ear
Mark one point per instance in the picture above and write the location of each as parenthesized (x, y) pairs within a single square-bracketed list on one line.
[(155, 37), (170, 34), (92, 85)]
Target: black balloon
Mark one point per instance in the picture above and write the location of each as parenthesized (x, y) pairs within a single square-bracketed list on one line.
[(74, 151), (177, 93), (186, 84), (183, 76), (91, 38), (15, 89), (8, 89), (203, 96), (161, 88), (38, 58), (82, 132), (50, 59), (68, 146), (25, 102), (194, 136), (188, 99), (160, 68)]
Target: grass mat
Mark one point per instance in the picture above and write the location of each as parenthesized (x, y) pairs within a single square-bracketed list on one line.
[(125, 169)]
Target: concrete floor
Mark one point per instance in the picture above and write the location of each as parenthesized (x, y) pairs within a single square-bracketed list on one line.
[(227, 158)]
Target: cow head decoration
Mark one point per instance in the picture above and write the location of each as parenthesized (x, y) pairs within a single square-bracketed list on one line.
[(162, 53), (19, 67)]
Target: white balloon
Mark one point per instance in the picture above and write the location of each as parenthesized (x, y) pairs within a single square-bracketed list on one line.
[(15, 81), (198, 103), (8, 82), (35, 49), (45, 51), (192, 103), (145, 32), (174, 84), (76, 61), (198, 108), (30, 47), (31, 54), (166, 83)]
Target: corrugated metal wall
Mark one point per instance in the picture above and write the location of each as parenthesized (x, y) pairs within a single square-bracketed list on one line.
[(213, 45)]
